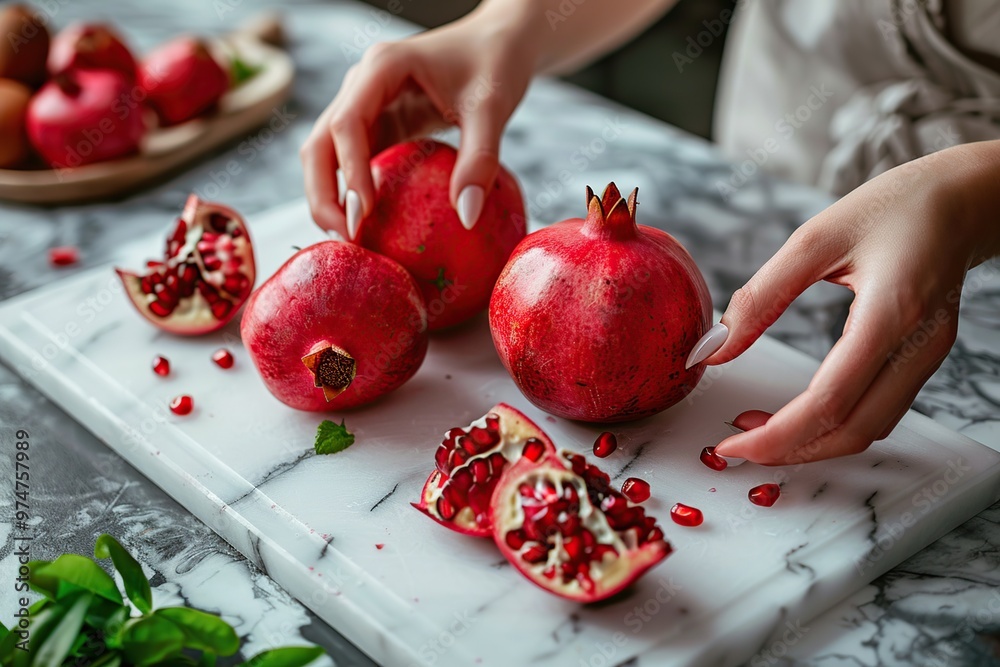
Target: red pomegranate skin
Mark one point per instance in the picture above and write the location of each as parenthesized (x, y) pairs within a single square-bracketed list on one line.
[(182, 80), (78, 118), (90, 46), (413, 222), (594, 318), (338, 294)]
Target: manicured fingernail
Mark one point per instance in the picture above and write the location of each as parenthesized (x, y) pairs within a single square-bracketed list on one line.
[(732, 461), (470, 205), (353, 211), (341, 187), (708, 345)]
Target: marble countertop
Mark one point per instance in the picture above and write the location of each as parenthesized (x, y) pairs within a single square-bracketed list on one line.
[(942, 606)]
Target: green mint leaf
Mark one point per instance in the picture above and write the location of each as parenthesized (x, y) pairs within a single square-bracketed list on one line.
[(136, 584), (240, 71), (47, 586), (202, 631), (291, 656), (57, 644), (150, 639), (332, 438), (75, 572)]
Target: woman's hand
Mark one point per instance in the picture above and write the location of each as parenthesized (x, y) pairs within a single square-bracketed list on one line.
[(471, 73), (902, 243)]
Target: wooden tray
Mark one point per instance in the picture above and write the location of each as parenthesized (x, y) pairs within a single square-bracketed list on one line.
[(164, 150)]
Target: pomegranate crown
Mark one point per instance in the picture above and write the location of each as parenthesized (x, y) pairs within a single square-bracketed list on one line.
[(611, 215)]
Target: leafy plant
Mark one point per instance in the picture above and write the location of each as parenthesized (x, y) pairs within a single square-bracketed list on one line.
[(84, 620)]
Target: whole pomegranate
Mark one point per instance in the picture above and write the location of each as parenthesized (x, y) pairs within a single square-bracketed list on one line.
[(206, 273), (594, 318), (336, 327), (78, 117), (24, 45), (90, 46), (469, 463), (14, 100), (182, 80), (413, 222)]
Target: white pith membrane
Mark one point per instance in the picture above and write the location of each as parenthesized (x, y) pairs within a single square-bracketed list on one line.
[(514, 434), (194, 311), (609, 573)]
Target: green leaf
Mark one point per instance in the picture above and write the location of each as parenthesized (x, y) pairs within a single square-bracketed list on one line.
[(3, 631), (107, 616), (291, 656), (332, 438), (202, 631), (136, 584), (47, 586), (57, 645), (151, 639), (109, 659), (240, 71), (79, 572), (207, 659)]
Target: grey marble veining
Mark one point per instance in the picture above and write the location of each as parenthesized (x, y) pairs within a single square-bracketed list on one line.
[(937, 608)]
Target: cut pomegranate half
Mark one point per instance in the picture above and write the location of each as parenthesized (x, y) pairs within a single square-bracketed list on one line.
[(563, 526), (469, 463), (205, 276)]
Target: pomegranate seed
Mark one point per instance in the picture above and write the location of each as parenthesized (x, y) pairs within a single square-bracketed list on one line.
[(223, 358), (380, 546), (535, 554), (220, 309), (160, 309), (751, 419), (533, 449), (636, 490), (182, 405), (684, 515), (161, 366), (515, 539), (764, 495), (713, 460), (605, 445), (66, 255)]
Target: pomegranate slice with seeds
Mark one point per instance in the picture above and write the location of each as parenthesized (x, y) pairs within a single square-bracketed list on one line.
[(205, 276), (469, 463), (563, 526)]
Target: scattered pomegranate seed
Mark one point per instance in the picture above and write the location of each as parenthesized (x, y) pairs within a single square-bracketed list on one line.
[(379, 546), (751, 419), (685, 515), (713, 460), (605, 445), (223, 358), (712, 490), (636, 490), (66, 255), (161, 366), (764, 495), (182, 405)]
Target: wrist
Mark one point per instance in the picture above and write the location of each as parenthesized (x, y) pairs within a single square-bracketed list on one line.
[(968, 186)]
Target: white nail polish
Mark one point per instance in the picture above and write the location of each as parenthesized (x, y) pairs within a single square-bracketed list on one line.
[(353, 211), (470, 205), (341, 187), (708, 345)]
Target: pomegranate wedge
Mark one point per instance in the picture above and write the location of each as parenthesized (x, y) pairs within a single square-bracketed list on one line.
[(469, 463)]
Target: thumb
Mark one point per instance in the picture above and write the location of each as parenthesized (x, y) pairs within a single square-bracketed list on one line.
[(755, 306), (477, 164)]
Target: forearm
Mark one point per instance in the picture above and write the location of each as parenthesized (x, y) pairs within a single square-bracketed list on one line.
[(566, 35)]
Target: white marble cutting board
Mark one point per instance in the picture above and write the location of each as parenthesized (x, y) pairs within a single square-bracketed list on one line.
[(750, 579)]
